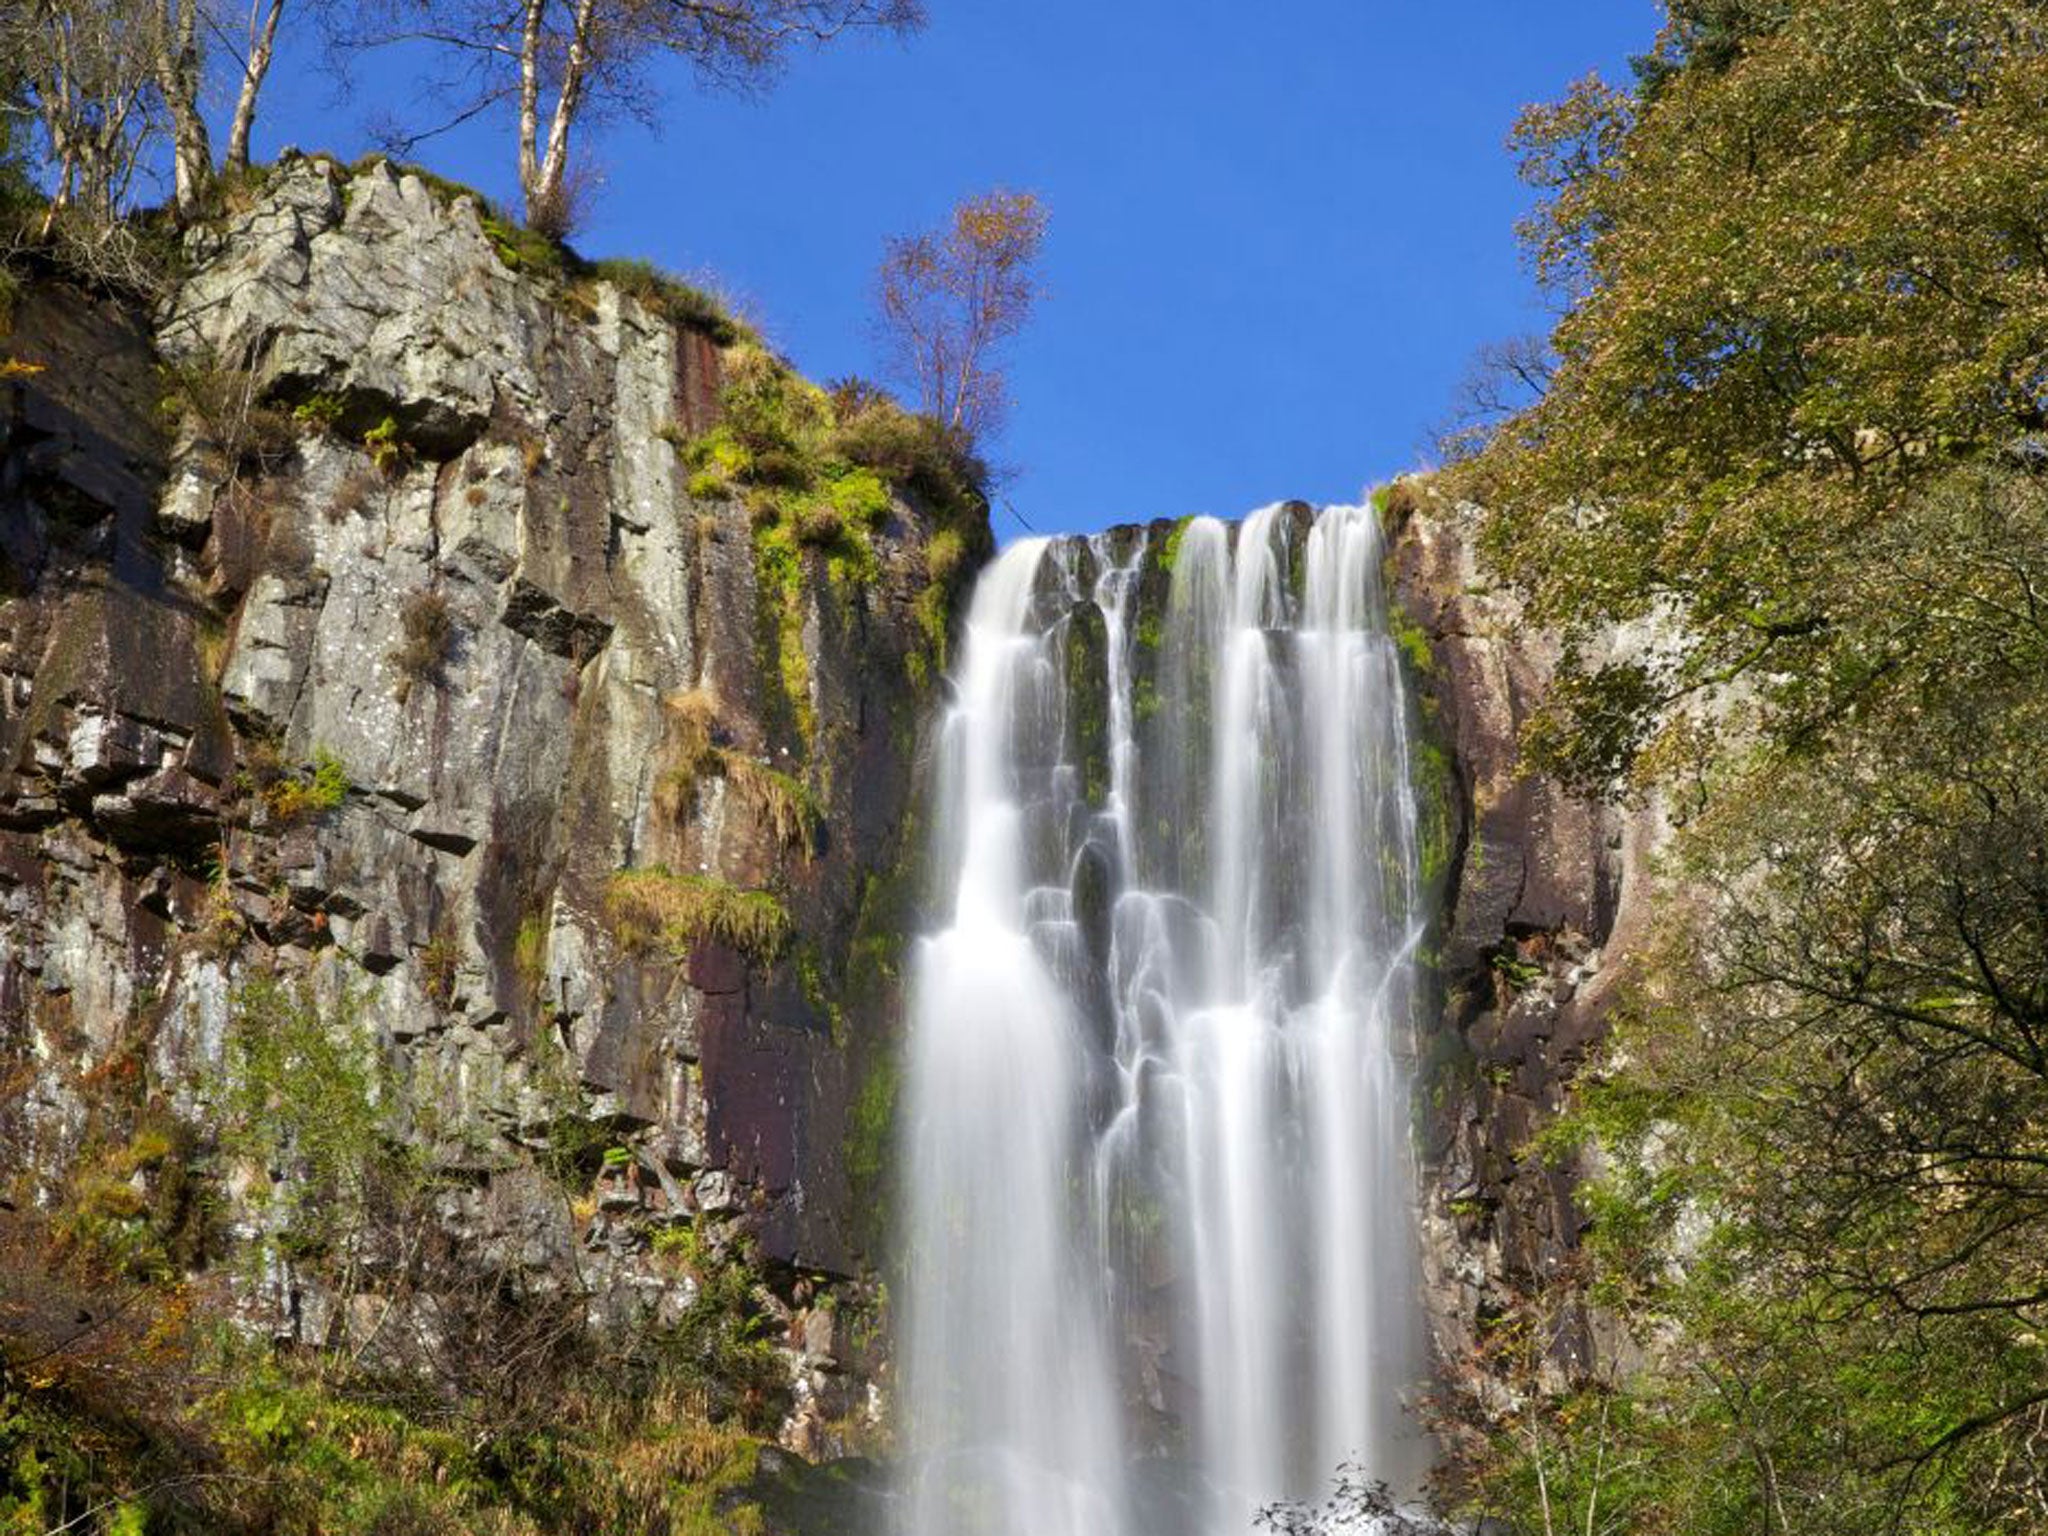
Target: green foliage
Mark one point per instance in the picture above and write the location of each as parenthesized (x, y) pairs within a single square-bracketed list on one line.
[(818, 471), (310, 792), (1800, 292), (653, 908), (722, 1349), (1793, 428), (302, 1102), (319, 412), (1169, 552), (387, 447), (871, 1128)]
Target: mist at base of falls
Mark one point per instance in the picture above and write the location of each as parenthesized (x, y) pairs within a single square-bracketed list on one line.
[(1160, 1265)]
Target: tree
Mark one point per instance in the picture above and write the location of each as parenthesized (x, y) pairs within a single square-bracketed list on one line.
[(1797, 290), (1794, 439), (561, 63), (180, 67), (88, 67), (950, 299)]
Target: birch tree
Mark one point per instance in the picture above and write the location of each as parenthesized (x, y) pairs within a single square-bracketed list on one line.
[(567, 64), (89, 67), (951, 298)]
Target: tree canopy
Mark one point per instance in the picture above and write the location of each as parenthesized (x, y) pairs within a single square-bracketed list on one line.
[(1785, 492)]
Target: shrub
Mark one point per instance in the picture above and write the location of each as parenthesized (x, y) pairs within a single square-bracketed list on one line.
[(859, 497), (310, 792), (819, 523), (387, 450), (299, 1103), (429, 627), (318, 413), (652, 908), (440, 965)]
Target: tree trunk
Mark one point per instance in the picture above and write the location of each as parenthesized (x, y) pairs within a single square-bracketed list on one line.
[(529, 100), (261, 44), (178, 77), (545, 196)]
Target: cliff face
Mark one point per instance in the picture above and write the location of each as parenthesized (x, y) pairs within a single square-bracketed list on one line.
[(359, 625), (1544, 894)]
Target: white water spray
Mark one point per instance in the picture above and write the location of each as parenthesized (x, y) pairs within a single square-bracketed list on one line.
[(1161, 1255)]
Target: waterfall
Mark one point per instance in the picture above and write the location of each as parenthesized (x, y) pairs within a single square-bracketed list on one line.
[(1160, 1257)]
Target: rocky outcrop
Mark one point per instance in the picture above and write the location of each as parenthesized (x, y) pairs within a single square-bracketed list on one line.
[(359, 625), (1544, 895)]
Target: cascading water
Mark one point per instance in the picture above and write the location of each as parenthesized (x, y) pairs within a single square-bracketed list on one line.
[(1160, 1244)]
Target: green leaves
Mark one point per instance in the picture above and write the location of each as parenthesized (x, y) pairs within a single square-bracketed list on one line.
[(1785, 499)]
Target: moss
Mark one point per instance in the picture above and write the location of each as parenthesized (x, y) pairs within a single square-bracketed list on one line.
[(859, 497), (1169, 552), (810, 971), (944, 555), (530, 950), (1397, 501), (1436, 814), (652, 908), (1412, 639), (871, 1131), (779, 570)]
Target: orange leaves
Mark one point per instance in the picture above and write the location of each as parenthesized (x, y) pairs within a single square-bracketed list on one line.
[(950, 298)]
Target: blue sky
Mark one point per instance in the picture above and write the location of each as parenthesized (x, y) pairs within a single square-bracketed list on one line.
[(1278, 232)]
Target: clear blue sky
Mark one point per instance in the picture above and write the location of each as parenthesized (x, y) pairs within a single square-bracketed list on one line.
[(1278, 232)]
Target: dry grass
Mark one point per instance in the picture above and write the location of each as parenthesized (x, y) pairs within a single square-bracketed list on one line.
[(780, 804), (429, 626), (653, 909)]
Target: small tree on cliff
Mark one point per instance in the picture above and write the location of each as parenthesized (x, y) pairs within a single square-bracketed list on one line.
[(561, 63), (951, 298)]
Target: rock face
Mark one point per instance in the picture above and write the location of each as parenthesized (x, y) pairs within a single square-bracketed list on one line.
[(1545, 893), (357, 620)]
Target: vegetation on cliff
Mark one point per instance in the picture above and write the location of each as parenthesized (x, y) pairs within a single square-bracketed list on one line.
[(1789, 433)]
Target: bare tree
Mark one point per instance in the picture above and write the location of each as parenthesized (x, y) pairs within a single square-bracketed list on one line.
[(950, 299), (255, 67), (90, 71), (561, 63), (180, 68), (1503, 379)]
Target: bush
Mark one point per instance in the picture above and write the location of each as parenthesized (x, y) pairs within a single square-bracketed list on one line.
[(310, 792), (429, 626)]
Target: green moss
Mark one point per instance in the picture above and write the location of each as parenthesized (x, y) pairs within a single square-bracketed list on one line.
[(1436, 811), (1169, 552), (779, 570), (871, 1131), (1413, 642)]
